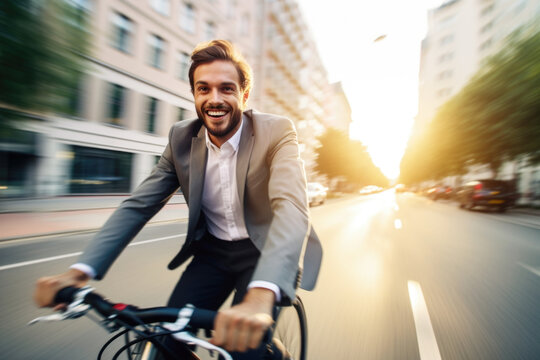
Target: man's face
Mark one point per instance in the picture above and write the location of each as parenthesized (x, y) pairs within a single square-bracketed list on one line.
[(219, 100)]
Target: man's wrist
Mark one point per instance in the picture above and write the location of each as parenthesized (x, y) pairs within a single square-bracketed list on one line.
[(262, 297), (267, 285), (85, 269)]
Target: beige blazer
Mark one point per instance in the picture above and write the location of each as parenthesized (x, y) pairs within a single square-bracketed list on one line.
[(271, 185)]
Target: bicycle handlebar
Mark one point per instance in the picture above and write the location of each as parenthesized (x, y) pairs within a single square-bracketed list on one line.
[(132, 315)]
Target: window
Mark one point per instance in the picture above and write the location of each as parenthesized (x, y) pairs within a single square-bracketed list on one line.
[(100, 171), (151, 115), (210, 31), (445, 74), (487, 10), (161, 6), (157, 51), (74, 101), (81, 12), (117, 95), (187, 18), (122, 32), (486, 27), (183, 66), (181, 114), (444, 92), (486, 44), (446, 22), (447, 39), (446, 57)]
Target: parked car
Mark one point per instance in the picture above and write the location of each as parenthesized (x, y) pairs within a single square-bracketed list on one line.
[(488, 193), (316, 193), (370, 189), (439, 192), (400, 188)]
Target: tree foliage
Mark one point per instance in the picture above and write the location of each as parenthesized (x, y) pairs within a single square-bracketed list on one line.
[(338, 156), (41, 48), (494, 118)]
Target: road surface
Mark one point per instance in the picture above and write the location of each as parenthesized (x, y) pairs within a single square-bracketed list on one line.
[(403, 277)]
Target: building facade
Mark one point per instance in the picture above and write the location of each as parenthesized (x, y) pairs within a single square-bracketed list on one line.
[(137, 87), (291, 78), (461, 35)]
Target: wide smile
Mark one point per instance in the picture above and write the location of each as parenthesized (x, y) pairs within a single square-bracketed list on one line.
[(216, 114)]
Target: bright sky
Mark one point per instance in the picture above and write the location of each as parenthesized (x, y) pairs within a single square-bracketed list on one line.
[(380, 78)]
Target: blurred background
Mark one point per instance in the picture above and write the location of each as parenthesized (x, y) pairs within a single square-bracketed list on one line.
[(406, 111), (432, 93)]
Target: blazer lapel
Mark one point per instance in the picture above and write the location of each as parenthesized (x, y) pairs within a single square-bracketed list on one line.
[(244, 154), (197, 170)]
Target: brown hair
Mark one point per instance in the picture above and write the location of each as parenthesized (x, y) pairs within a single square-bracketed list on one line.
[(208, 52)]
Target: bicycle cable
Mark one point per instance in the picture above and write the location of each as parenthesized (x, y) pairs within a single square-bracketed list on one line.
[(142, 336), (113, 338), (150, 338)]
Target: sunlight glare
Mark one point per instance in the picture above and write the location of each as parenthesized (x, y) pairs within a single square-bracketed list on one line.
[(370, 268), (380, 78)]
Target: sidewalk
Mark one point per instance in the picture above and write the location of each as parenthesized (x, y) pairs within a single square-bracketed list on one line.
[(37, 217)]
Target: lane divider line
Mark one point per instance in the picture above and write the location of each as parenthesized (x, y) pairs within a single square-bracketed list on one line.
[(427, 343), (398, 224), (52, 258), (530, 268)]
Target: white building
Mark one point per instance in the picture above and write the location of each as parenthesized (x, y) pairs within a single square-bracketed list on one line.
[(137, 87), (461, 35), (292, 79)]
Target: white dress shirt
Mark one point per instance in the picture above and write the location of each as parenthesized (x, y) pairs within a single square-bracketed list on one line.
[(220, 201)]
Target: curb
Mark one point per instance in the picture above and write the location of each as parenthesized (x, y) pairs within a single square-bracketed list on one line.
[(79, 231)]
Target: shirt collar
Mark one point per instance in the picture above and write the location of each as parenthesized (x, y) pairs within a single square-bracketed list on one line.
[(234, 141)]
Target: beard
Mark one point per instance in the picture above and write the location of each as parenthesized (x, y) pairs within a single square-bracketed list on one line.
[(235, 115)]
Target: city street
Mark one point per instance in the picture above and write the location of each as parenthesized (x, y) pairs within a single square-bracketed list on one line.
[(403, 277)]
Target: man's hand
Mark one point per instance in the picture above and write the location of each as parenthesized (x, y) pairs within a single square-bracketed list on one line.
[(243, 326), (47, 287)]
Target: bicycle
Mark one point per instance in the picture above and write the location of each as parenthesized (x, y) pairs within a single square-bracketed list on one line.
[(151, 325)]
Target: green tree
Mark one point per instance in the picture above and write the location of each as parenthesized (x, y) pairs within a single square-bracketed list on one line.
[(494, 118), (42, 47), (338, 156)]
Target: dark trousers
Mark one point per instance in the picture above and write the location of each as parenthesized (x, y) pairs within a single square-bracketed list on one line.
[(217, 269)]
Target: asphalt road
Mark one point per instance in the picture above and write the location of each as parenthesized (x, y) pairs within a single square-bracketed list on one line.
[(403, 278)]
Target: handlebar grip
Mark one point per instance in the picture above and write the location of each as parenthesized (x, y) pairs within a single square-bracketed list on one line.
[(203, 319), (65, 295)]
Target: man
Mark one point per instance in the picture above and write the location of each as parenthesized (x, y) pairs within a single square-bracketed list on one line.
[(244, 183)]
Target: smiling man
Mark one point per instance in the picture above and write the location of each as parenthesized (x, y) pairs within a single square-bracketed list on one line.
[(219, 100), (244, 182)]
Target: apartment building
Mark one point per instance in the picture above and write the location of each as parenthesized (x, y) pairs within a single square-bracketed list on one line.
[(291, 78), (137, 86), (461, 35)]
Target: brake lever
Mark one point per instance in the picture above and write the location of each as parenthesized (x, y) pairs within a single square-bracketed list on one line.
[(74, 310), (188, 338), (71, 313)]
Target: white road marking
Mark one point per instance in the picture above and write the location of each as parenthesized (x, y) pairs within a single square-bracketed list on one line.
[(396, 207), (397, 224), (52, 258), (427, 344), (535, 271)]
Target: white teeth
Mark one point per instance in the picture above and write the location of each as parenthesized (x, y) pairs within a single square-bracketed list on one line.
[(216, 113)]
